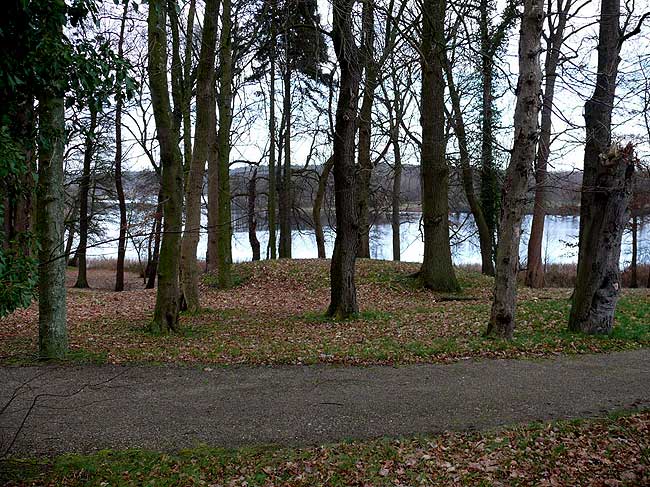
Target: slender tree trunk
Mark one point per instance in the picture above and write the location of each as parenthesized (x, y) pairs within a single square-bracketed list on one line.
[(396, 196), (467, 175), (526, 126), (343, 301), (603, 201), (53, 334), (121, 240), (273, 196), (187, 91), (489, 181), (252, 219), (84, 188), (365, 127), (437, 271), (284, 250), (167, 298), (152, 267), (535, 271), (318, 206), (68, 244), (224, 234), (194, 187), (634, 283)]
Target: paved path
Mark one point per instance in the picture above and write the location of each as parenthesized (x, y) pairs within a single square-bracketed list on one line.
[(92, 407)]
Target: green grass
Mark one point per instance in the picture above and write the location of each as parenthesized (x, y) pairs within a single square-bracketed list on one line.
[(538, 450)]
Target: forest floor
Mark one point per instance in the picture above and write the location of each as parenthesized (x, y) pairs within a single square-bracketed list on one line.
[(275, 316), (122, 388)]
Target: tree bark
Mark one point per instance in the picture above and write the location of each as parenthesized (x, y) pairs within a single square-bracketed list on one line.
[(152, 265), (603, 192), (213, 193), (194, 187), (167, 298), (224, 234), (121, 240), (186, 87), (365, 126), (252, 218), (318, 206), (84, 188), (343, 302), (526, 124), (53, 334), (598, 282), (437, 271)]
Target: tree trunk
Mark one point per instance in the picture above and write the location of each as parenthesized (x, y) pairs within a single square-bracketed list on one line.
[(224, 234), (53, 334), (489, 181), (467, 175), (84, 188), (437, 271), (272, 195), (152, 265), (526, 126), (284, 250), (318, 205), (343, 301), (396, 195), (597, 282), (634, 282), (167, 299), (121, 240), (603, 192), (187, 86), (535, 271), (365, 127), (213, 193), (194, 187), (252, 219)]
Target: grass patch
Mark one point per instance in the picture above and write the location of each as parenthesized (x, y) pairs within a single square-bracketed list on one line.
[(582, 452)]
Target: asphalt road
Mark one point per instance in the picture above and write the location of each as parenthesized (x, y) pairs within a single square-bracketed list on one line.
[(82, 409)]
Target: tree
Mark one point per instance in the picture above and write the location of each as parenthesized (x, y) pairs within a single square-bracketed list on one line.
[(554, 40), (526, 126), (606, 190), (205, 100), (437, 271), (53, 335), (167, 298), (343, 300)]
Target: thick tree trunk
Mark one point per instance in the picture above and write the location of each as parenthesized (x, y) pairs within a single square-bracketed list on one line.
[(343, 301), (187, 86), (224, 234), (194, 188), (634, 281), (252, 218), (272, 195), (121, 240), (284, 250), (437, 271), (318, 206), (597, 282), (526, 124), (167, 299), (365, 127), (467, 175), (213, 193), (53, 334), (596, 290), (84, 188)]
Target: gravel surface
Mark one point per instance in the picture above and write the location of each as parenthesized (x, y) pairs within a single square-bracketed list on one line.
[(86, 408)]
